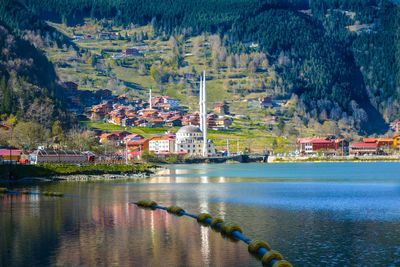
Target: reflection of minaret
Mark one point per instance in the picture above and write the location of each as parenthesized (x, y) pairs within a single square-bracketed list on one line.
[(151, 106), (204, 115)]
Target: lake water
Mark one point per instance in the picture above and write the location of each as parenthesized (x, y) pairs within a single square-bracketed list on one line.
[(315, 214)]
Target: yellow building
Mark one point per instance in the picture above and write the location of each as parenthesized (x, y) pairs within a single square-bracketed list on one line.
[(396, 141)]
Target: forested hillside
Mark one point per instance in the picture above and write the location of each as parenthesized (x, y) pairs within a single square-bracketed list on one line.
[(29, 86), (341, 58)]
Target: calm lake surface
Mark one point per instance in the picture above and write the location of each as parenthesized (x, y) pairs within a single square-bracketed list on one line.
[(315, 214)]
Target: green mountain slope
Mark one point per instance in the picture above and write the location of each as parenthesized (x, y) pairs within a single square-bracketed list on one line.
[(29, 86), (340, 57)]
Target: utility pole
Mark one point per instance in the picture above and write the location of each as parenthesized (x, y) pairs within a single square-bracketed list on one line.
[(126, 152), (237, 147), (227, 148)]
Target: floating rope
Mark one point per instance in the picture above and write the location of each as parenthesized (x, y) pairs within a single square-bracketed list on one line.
[(269, 258)]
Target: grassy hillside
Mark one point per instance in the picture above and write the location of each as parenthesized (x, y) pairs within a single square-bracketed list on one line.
[(320, 76), (237, 85)]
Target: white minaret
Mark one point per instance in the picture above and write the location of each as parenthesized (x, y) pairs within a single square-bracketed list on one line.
[(204, 115), (151, 106), (201, 103)]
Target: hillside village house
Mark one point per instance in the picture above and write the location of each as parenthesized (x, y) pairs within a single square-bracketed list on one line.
[(216, 122), (115, 138), (132, 137), (165, 103), (174, 121), (164, 111), (395, 126), (314, 145), (136, 148), (191, 119), (265, 102), (98, 112), (133, 52), (221, 108)]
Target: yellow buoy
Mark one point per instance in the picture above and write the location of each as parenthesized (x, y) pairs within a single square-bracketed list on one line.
[(282, 263), (229, 228), (255, 245), (175, 210), (146, 203), (202, 217), (271, 255), (216, 221)]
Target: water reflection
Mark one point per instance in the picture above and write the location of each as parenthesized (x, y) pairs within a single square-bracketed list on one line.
[(105, 231), (319, 223)]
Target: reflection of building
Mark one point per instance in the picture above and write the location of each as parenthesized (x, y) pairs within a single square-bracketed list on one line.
[(190, 139)]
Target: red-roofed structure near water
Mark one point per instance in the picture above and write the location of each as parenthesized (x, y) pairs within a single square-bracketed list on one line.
[(313, 145)]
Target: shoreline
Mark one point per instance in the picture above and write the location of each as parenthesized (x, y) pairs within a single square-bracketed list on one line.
[(81, 178), (275, 160), (69, 173)]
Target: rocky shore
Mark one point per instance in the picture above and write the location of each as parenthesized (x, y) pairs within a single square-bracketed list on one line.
[(63, 173), (103, 177)]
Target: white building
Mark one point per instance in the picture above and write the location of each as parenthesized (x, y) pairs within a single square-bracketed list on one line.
[(189, 139), (174, 103), (162, 144)]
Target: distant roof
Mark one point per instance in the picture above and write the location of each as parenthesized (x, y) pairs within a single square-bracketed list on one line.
[(164, 137), (370, 140), (375, 140), (363, 144), (189, 129), (133, 136), (137, 142), (314, 140), (12, 151), (56, 152)]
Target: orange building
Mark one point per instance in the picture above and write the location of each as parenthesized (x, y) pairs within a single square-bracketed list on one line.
[(141, 145)]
